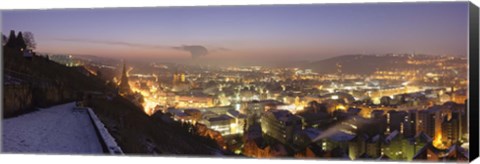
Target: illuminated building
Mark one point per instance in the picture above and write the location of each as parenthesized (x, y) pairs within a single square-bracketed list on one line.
[(168, 98), (280, 125), (337, 96), (220, 123), (252, 139), (353, 111), (178, 115), (339, 71), (409, 126), (209, 114), (303, 138), (178, 78), (377, 94), (195, 114), (376, 114), (179, 83), (451, 154), (253, 110), (356, 146), (385, 100), (239, 124), (255, 145), (315, 118), (459, 96), (380, 121), (395, 120), (341, 115), (194, 101), (373, 147), (414, 144), (335, 101), (451, 128), (219, 110), (427, 122), (463, 119), (335, 141), (392, 146), (67, 60), (399, 147)]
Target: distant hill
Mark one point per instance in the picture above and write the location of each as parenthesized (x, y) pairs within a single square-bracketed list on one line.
[(358, 64)]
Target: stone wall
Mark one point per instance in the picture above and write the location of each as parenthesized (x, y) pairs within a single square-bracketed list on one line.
[(16, 98), (24, 97), (107, 140)]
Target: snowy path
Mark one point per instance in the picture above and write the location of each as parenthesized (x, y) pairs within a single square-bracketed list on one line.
[(55, 130)]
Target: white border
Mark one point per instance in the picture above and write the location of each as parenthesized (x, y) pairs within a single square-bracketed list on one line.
[(51, 4)]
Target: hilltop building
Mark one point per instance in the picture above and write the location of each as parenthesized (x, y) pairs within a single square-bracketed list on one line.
[(18, 44)]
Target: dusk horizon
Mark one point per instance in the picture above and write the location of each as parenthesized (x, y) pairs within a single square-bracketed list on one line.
[(277, 32)]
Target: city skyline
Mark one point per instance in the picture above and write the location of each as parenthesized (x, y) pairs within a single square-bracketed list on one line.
[(269, 32)]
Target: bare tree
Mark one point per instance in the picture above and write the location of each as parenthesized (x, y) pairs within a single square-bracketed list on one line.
[(4, 40), (29, 40)]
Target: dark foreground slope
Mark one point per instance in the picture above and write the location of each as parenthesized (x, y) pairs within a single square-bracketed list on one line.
[(137, 133)]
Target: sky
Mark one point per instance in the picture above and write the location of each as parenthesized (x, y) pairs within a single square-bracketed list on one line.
[(272, 32)]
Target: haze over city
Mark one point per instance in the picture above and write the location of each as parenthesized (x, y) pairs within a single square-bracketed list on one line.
[(267, 33)]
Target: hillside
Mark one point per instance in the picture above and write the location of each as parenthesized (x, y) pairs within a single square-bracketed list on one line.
[(358, 64), (35, 82), (39, 82)]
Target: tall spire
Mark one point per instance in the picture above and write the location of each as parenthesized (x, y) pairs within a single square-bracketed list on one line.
[(124, 86), (124, 72)]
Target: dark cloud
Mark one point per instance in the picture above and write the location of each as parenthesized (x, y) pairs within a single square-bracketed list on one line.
[(195, 50)]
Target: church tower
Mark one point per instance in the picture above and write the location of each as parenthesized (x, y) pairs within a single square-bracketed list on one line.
[(124, 87)]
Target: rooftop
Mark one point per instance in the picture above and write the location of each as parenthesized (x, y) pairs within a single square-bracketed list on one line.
[(222, 117), (282, 115), (341, 136)]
